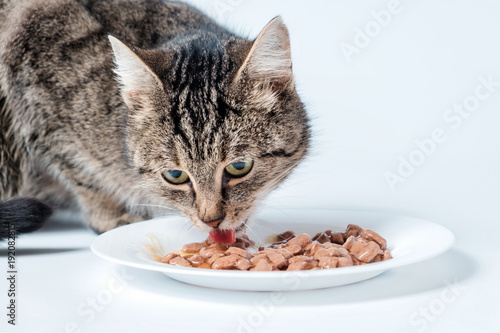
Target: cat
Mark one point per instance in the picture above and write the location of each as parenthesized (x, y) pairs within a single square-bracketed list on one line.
[(125, 110)]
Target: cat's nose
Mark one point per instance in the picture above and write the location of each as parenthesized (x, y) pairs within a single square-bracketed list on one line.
[(214, 223)]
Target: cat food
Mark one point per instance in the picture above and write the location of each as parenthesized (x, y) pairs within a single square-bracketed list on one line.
[(290, 252)]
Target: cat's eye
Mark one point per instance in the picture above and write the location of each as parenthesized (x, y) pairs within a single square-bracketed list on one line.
[(175, 177), (239, 169)]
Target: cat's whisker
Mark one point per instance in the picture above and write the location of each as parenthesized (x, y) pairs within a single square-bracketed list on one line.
[(256, 236), (270, 186), (159, 209), (284, 186), (160, 206), (297, 181), (266, 228), (279, 209), (266, 202), (189, 226)]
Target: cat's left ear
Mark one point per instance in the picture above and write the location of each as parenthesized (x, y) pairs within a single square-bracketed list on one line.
[(268, 65), (138, 81)]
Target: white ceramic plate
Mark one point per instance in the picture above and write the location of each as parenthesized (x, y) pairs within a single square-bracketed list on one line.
[(410, 240)]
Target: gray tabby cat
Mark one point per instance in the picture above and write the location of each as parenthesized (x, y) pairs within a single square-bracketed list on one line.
[(119, 108)]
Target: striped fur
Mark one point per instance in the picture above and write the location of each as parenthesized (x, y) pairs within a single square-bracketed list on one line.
[(101, 97)]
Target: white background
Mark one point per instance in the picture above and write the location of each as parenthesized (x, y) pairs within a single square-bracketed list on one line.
[(368, 110)]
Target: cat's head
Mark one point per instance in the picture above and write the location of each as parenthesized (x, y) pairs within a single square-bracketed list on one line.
[(214, 121)]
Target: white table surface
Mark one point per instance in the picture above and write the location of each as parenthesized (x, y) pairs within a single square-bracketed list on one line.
[(366, 114), (63, 287)]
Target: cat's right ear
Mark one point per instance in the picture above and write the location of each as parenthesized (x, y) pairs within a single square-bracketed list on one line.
[(137, 79), (268, 65)]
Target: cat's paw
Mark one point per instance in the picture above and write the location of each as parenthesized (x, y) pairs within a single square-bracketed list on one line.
[(101, 225)]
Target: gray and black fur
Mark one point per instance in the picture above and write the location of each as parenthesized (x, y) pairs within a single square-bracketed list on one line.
[(99, 98), (21, 215)]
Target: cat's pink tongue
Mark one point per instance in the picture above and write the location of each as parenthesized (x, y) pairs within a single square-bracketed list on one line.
[(227, 236)]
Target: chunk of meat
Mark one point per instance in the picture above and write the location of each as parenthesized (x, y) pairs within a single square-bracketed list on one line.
[(193, 247), (243, 264), (329, 245), (262, 265), (352, 230), (344, 252), (226, 262), (293, 249), (328, 262), (297, 266), (345, 262), (349, 242), (377, 258), (214, 257), (196, 260), (387, 255), (205, 265), (301, 240), (299, 258), (337, 238), (247, 242), (218, 246), (310, 262), (179, 261), (285, 236), (322, 237), (238, 251), (302, 265), (285, 253), (276, 258), (365, 252), (332, 252), (168, 257), (208, 252), (257, 257), (371, 235), (312, 248)]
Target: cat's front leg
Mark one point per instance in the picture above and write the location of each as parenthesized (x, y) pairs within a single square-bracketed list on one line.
[(102, 211), (102, 225)]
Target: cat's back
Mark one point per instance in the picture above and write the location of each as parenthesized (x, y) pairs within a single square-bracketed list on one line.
[(58, 50), (146, 23), (142, 23)]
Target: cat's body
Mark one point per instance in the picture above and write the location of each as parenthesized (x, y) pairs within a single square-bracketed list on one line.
[(200, 100)]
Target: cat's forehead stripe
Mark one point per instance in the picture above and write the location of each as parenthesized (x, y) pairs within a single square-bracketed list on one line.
[(198, 110)]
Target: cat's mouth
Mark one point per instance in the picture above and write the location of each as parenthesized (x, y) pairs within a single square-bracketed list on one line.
[(227, 236)]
